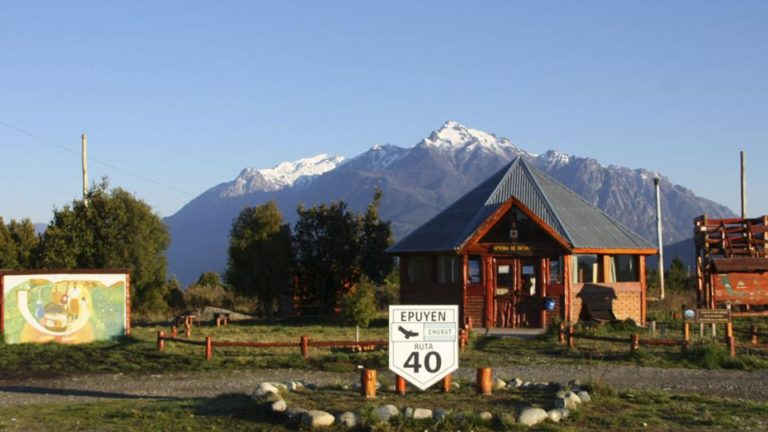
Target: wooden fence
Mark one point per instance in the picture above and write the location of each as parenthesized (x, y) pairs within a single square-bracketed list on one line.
[(303, 344), (567, 336)]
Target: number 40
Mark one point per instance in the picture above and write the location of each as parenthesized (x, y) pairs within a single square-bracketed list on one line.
[(432, 362)]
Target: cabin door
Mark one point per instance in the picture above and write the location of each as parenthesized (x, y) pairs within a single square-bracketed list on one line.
[(515, 293)]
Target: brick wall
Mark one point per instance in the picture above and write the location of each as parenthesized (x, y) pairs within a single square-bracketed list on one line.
[(625, 299)]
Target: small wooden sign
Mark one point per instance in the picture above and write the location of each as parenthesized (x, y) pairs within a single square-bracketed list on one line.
[(713, 316), (519, 249)]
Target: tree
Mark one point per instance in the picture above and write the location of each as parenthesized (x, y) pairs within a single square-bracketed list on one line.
[(376, 238), (359, 305), (327, 249), (115, 230), (8, 256), (677, 277), (27, 241), (260, 255)]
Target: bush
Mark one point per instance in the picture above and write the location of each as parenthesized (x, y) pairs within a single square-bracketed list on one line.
[(711, 356), (200, 296)]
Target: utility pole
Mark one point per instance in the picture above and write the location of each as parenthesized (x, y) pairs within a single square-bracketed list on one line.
[(743, 186), (661, 243), (84, 140)]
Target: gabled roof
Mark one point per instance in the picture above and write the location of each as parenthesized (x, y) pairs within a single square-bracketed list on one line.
[(581, 224)]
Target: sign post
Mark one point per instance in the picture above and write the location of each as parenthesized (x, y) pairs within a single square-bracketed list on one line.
[(423, 342)]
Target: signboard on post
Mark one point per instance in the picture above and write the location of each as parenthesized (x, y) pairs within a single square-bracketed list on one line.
[(712, 316), (423, 342)]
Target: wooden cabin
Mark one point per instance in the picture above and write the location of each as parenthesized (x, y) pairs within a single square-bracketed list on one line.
[(520, 250)]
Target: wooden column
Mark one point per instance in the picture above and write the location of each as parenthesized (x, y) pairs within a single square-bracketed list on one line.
[(447, 383), (567, 290), (643, 289), (368, 383), (160, 340), (399, 385), (304, 343), (687, 332), (634, 342), (488, 280), (208, 348), (544, 280), (484, 382)]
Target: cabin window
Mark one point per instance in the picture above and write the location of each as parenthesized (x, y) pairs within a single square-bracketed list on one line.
[(625, 268), (474, 273), (447, 269), (418, 269), (556, 270), (584, 269)]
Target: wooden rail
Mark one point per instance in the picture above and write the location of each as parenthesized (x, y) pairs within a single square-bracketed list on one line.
[(567, 336), (303, 344)]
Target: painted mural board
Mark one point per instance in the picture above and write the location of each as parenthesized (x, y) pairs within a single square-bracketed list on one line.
[(741, 288), (69, 308)]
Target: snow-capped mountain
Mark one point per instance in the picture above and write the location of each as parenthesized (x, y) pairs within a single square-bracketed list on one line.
[(285, 175), (417, 183)]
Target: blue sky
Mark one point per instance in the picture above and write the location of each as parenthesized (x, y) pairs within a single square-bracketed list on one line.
[(186, 94)]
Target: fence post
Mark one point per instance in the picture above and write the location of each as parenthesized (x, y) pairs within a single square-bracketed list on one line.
[(305, 346), (634, 342), (653, 328), (447, 383), (187, 328), (687, 332), (462, 340), (368, 383), (160, 340), (571, 344), (753, 334), (218, 321), (561, 334), (208, 348), (468, 323), (731, 341), (729, 329), (399, 385), (484, 383), (174, 331)]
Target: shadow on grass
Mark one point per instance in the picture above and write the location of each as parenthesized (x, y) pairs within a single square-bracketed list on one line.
[(78, 393), (239, 406)]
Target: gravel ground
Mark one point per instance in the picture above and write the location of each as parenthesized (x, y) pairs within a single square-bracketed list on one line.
[(86, 388)]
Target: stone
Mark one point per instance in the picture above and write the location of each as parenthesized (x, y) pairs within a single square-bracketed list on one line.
[(554, 415), (584, 396), (279, 406), (408, 412), (455, 385), (486, 416), (526, 385), (515, 383), (568, 400), (294, 385), (574, 383), (440, 414), (499, 384), (384, 412), (347, 419), (564, 413), (317, 418), (531, 416), (292, 413), (280, 386), (265, 392), (541, 386), (422, 413)]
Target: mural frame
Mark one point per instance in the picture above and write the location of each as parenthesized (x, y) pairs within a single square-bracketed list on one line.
[(74, 272)]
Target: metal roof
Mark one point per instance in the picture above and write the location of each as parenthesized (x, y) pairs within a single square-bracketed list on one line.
[(565, 212)]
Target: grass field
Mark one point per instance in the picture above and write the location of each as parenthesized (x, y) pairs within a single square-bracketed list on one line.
[(139, 352), (609, 411)]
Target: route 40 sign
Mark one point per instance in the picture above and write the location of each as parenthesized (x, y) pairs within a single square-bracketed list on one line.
[(423, 342)]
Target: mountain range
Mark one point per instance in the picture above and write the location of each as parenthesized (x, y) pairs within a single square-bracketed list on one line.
[(417, 183)]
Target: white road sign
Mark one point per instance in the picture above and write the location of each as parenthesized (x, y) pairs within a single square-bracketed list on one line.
[(423, 342)]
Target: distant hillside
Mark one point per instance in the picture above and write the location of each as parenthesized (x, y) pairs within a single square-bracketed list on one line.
[(417, 183)]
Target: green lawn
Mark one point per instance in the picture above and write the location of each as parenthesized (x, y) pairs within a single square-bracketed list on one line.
[(139, 352), (609, 411)]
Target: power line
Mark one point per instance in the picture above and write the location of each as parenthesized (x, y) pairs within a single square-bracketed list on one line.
[(106, 164)]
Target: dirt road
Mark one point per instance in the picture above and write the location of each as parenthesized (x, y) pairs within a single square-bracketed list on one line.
[(84, 388)]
